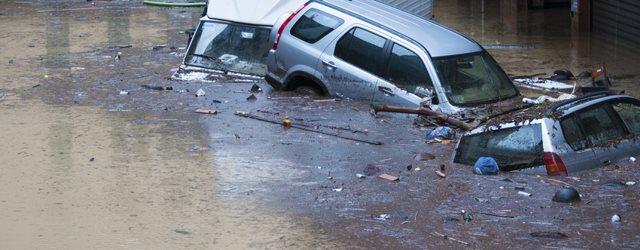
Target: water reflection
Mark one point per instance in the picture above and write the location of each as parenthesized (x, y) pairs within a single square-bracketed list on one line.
[(557, 43)]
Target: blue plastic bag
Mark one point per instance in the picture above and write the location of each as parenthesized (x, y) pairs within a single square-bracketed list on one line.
[(486, 166), (441, 133)]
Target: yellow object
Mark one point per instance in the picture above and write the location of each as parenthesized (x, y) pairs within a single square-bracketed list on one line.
[(287, 122)]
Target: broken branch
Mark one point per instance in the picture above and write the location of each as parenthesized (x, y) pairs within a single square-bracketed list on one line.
[(255, 117), (451, 238), (425, 112), (497, 215)]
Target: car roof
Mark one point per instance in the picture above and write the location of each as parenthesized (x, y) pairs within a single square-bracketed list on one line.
[(256, 12), (573, 105), (437, 39), (554, 111)]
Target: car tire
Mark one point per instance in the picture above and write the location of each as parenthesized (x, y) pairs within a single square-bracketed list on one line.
[(308, 90)]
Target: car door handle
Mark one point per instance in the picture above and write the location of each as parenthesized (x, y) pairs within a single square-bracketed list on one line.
[(606, 161), (386, 90), (331, 65)]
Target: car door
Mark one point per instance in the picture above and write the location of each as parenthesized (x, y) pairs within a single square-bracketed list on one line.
[(602, 128), (352, 63), (405, 80), (579, 156)]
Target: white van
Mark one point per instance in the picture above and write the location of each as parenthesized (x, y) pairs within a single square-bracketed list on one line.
[(234, 35)]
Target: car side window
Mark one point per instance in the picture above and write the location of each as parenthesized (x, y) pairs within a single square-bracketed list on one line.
[(362, 49), (599, 125), (314, 25), (407, 71), (630, 114), (572, 133)]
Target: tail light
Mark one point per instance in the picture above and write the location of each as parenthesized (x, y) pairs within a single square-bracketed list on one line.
[(555, 165), (284, 24)]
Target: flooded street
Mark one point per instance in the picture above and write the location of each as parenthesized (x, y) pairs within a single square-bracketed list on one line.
[(541, 40), (87, 166)]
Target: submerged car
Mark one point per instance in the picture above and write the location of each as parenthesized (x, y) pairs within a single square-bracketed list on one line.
[(573, 135), (363, 49), (234, 35)]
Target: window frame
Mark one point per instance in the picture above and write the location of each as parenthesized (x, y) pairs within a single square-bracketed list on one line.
[(385, 74), (340, 23), (383, 56), (579, 126)]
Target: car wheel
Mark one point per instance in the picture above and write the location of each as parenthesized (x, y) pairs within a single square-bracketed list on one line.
[(308, 91)]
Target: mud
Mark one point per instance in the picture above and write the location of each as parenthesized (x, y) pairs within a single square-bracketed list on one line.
[(86, 167)]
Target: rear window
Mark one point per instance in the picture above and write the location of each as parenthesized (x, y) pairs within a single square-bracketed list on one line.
[(314, 25), (630, 114), (230, 47), (512, 148), (362, 49), (599, 124)]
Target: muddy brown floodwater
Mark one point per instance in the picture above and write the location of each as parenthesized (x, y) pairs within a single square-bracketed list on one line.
[(83, 166), (540, 41)]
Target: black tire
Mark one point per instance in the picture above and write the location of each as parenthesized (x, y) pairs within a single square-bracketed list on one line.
[(308, 90)]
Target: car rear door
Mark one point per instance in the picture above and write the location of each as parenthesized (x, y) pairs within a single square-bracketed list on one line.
[(352, 63), (579, 155)]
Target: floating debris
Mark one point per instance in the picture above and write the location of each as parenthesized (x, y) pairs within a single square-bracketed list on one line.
[(156, 87), (371, 170), (450, 238), (467, 216), (255, 89), (389, 177), (180, 231), (206, 111), (615, 218), (549, 234), (383, 217), (200, 93), (566, 195), (287, 122), (524, 193)]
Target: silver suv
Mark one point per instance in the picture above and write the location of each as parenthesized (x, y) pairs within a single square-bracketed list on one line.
[(363, 49), (578, 134)]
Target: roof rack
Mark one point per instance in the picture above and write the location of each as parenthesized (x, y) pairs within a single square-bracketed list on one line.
[(579, 100)]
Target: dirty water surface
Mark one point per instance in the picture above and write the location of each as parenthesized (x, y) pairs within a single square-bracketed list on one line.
[(92, 159)]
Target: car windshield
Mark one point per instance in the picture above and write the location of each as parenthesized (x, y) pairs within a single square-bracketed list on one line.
[(471, 79), (230, 47), (512, 148)]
